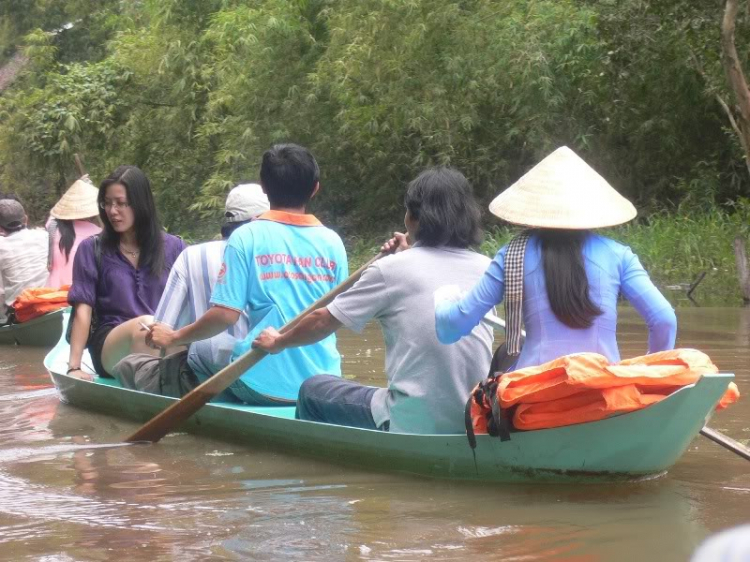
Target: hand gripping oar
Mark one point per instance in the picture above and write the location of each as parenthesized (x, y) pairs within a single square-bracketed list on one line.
[(715, 436), (181, 410)]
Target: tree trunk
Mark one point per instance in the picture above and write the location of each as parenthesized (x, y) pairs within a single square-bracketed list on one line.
[(735, 75), (738, 84), (743, 272)]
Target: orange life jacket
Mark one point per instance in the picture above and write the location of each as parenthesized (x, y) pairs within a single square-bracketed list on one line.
[(38, 301), (583, 387)]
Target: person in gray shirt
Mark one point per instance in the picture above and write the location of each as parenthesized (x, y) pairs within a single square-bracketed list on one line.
[(428, 382)]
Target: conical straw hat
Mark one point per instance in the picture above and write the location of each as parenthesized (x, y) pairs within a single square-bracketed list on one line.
[(79, 202), (562, 191)]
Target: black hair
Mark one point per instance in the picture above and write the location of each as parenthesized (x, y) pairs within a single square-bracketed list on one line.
[(148, 230), (442, 201), (289, 174), (565, 277), (67, 236), (227, 229)]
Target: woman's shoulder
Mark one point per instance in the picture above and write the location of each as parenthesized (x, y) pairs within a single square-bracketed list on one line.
[(602, 244), (173, 247), (87, 244), (86, 250), (172, 242), (607, 253)]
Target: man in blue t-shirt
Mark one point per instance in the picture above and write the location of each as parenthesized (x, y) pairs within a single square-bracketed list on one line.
[(274, 268)]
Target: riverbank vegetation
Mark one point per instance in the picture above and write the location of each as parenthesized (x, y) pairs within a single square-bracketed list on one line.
[(193, 91), (675, 247)]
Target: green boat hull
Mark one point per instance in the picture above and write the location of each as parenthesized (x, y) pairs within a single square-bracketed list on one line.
[(44, 331), (642, 443)]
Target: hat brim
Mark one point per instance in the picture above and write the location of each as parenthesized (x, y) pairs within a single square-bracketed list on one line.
[(563, 192)]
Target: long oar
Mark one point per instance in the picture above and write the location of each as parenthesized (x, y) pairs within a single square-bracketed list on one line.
[(715, 436), (181, 410), (726, 442)]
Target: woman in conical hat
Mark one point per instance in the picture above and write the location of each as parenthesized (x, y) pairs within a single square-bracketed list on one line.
[(74, 218), (559, 277)]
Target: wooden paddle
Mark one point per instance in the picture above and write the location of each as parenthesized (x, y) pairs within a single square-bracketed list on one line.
[(726, 442), (181, 410), (715, 436)]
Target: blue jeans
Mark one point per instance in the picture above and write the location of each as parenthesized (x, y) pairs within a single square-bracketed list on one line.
[(329, 399), (208, 357)]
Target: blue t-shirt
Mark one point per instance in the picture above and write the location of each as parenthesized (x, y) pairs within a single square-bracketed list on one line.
[(274, 268)]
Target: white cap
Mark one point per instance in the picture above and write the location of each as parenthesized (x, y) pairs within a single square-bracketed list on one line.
[(244, 202)]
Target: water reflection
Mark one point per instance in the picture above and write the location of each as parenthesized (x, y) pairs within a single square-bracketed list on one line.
[(196, 499)]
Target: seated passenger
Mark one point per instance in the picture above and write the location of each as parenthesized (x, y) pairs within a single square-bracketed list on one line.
[(74, 218), (186, 298), (274, 268), (23, 255), (560, 278), (428, 383), (120, 288)]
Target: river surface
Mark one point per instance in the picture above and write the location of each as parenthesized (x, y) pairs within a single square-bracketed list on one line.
[(190, 498)]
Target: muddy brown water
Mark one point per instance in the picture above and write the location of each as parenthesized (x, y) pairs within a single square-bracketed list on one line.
[(190, 498)]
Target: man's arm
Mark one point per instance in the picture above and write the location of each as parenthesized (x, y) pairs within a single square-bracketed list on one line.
[(213, 322), (314, 327)]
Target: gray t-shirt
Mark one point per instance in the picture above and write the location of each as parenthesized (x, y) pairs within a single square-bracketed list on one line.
[(428, 382)]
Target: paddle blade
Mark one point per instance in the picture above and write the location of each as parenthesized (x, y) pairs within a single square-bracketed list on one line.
[(177, 413), (170, 418)]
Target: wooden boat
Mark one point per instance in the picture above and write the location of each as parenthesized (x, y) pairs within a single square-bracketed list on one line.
[(639, 444), (43, 331)]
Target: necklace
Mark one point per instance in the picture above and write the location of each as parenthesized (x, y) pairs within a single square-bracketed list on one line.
[(132, 253)]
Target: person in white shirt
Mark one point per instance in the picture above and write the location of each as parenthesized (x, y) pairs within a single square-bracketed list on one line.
[(23, 255), (187, 294)]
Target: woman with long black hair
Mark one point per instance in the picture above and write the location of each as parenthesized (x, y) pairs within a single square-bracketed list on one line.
[(558, 277), (118, 278), (74, 218)]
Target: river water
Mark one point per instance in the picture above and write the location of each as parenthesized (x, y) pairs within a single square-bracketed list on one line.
[(62, 498)]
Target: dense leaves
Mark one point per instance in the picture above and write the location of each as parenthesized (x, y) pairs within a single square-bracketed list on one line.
[(195, 90)]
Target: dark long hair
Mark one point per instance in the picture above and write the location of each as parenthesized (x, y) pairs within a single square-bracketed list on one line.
[(67, 237), (442, 201), (148, 230), (565, 277)]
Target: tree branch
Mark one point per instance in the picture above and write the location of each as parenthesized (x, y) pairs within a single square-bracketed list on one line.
[(735, 75), (724, 105)]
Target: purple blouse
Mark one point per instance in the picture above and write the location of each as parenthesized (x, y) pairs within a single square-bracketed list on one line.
[(119, 291)]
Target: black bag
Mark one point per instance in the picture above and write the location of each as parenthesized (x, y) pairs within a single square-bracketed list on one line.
[(94, 321), (499, 420)]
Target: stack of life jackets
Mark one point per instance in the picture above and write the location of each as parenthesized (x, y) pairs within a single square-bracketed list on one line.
[(39, 301), (580, 388)]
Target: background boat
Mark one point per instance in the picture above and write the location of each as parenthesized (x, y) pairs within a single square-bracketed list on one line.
[(43, 331)]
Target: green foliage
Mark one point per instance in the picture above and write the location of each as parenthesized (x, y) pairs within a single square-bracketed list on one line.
[(194, 91), (80, 27)]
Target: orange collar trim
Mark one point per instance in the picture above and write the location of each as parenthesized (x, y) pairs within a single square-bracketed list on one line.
[(294, 219)]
